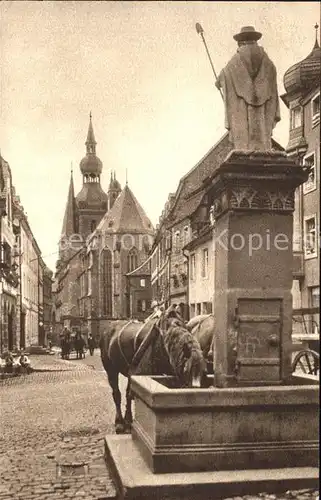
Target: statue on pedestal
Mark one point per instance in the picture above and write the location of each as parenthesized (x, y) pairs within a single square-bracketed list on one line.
[(250, 94)]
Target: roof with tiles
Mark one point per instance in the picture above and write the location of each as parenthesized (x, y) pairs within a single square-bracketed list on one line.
[(190, 190), (126, 216)]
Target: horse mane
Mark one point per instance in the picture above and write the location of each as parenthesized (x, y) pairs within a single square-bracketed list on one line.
[(184, 351)]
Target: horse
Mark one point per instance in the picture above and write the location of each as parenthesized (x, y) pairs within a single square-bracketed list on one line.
[(160, 346), (202, 327)]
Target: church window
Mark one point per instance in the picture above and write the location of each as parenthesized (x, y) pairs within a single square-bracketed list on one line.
[(310, 184), (132, 260), (296, 117), (315, 104), (107, 282)]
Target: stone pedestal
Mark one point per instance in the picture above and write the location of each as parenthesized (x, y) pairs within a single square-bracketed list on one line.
[(253, 203), (185, 430), (205, 443)]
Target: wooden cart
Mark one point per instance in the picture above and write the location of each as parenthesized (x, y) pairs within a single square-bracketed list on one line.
[(306, 341)]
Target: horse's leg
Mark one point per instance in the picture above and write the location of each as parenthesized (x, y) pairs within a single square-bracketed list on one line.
[(128, 415), (113, 382)]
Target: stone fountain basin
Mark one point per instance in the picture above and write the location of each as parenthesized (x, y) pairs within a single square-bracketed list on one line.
[(210, 429)]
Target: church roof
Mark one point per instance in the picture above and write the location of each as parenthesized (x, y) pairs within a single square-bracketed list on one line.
[(191, 189), (69, 222), (91, 195), (126, 216), (114, 185)]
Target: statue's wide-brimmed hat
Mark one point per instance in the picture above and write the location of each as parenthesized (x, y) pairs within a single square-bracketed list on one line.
[(247, 33)]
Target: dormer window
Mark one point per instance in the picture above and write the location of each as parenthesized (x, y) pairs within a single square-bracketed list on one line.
[(296, 117), (315, 109)]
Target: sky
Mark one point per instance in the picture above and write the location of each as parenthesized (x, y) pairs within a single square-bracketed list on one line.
[(142, 70)]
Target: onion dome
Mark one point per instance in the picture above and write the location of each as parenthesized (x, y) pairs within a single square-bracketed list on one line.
[(114, 185), (304, 75), (91, 164)]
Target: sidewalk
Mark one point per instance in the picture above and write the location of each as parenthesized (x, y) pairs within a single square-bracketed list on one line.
[(43, 362)]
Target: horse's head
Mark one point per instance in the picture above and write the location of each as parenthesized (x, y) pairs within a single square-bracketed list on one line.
[(194, 371), (184, 351)]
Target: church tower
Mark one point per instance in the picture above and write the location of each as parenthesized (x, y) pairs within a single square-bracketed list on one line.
[(92, 201), (69, 225), (114, 190)]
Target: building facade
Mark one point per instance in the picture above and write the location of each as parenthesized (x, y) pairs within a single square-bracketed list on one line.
[(9, 268), (160, 257), (47, 304), (302, 97), (31, 265), (139, 291)]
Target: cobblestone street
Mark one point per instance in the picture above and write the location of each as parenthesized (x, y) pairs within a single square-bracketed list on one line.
[(53, 425)]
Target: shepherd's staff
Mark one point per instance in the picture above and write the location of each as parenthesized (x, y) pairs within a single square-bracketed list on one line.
[(200, 31)]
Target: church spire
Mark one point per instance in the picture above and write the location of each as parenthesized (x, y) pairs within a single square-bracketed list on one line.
[(90, 142), (69, 222)]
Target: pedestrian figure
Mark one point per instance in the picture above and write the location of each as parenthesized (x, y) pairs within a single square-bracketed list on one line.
[(24, 362), (9, 363), (91, 344), (158, 309), (79, 346)]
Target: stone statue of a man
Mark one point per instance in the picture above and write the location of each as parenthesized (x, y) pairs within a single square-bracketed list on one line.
[(250, 93)]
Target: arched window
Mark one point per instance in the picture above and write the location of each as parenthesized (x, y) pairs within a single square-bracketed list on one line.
[(107, 286), (92, 226), (132, 260)]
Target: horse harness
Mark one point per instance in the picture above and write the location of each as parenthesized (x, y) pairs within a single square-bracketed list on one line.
[(146, 342)]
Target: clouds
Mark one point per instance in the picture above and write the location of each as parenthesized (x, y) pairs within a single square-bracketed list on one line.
[(141, 68)]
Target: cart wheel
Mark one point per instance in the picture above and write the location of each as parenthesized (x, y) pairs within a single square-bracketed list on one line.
[(307, 361)]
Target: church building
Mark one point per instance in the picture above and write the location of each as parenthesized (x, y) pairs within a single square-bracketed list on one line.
[(104, 237)]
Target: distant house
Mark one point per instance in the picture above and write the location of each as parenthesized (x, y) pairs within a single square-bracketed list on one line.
[(140, 291)]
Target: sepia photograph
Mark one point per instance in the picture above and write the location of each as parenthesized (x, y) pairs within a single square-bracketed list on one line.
[(159, 250)]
